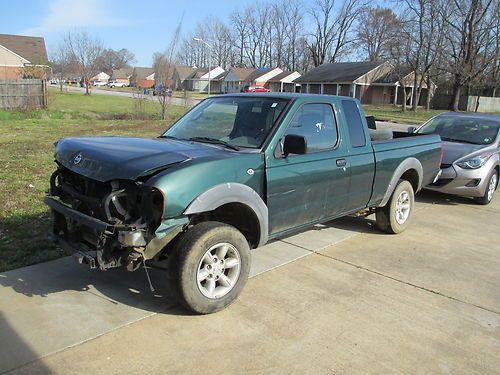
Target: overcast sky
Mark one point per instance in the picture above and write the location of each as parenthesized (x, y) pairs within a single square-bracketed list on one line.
[(143, 27)]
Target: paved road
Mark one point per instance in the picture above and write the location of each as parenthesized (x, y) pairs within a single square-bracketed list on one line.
[(425, 301), (177, 101)]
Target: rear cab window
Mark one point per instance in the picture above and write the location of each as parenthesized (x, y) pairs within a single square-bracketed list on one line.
[(355, 125)]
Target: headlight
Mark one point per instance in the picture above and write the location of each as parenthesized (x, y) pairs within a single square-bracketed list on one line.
[(475, 162)]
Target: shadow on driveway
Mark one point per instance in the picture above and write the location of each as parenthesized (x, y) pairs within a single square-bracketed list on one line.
[(14, 350), (116, 286)]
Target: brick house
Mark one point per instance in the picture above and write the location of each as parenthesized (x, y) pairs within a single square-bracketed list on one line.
[(143, 78), (122, 75), (372, 82), (22, 57)]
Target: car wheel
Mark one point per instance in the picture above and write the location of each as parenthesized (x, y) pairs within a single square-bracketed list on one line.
[(490, 189), (212, 267), (396, 215)]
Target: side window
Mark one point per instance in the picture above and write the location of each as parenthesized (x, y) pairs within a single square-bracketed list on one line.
[(354, 123), (317, 124)]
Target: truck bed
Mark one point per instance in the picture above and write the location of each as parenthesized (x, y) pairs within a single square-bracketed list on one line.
[(391, 152)]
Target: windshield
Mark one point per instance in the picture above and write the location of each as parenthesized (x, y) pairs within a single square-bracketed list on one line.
[(235, 121), (477, 131)]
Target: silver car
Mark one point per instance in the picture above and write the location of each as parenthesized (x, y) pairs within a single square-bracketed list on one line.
[(471, 154)]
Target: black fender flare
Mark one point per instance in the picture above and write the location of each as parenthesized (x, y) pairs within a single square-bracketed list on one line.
[(406, 165), (233, 193)]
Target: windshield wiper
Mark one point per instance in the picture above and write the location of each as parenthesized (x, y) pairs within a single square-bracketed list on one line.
[(214, 141), (169, 137), (457, 140)]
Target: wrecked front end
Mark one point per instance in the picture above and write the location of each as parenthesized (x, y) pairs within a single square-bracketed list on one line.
[(109, 224)]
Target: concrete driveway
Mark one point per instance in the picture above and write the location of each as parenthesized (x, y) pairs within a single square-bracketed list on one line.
[(353, 301)]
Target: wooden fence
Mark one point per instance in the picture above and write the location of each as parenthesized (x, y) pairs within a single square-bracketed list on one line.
[(26, 94)]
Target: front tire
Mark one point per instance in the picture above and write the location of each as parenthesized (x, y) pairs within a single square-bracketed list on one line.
[(490, 189), (213, 263), (396, 215)]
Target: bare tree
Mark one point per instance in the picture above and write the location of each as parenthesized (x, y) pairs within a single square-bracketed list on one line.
[(399, 48), (164, 65), (332, 29), (257, 43), (220, 37), (494, 70), (293, 18), (239, 24), (115, 59), (473, 34), (86, 51), (376, 28), (425, 28)]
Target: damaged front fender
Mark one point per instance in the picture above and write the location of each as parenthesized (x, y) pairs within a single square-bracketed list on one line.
[(165, 233)]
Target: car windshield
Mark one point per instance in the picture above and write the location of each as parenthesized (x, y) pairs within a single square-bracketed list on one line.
[(479, 131), (233, 121)]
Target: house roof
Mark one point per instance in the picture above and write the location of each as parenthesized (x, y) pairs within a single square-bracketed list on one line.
[(257, 73), (339, 72), (31, 48), (220, 77), (184, 71), (198, 73), (282, 75), (242, 73), (392, 78), (122, 73), (142, 73)]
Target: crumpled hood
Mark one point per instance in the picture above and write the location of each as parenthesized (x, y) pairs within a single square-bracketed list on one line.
[(452, 151), (109, 158)]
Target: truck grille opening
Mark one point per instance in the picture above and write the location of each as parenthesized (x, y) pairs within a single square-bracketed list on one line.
[(124, 204)]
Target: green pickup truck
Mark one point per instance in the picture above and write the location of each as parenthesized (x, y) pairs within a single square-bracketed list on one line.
[(233, 173)]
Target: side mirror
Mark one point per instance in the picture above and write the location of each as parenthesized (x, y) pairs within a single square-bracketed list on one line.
[(412, 129), (294, 144)]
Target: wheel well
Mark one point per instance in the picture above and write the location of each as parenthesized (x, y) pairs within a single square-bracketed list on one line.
[(411, 175), (238, 215)]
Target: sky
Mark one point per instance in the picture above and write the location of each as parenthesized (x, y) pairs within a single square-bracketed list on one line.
[(143, 27)]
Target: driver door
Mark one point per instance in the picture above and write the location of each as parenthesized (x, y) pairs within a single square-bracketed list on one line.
[(302, 189)]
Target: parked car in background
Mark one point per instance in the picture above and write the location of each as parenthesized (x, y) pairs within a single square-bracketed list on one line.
[(254, 88), (471, 154), (113, 84), (231, 174), (98, 83)]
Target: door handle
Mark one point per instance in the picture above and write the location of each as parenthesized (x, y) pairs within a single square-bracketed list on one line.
[(341, 162)]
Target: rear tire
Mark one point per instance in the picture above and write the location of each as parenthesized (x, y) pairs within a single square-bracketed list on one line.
[(396, 215), (211, 268), (490, 189)]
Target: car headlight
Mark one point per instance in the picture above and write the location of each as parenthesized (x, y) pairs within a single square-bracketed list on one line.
[(475, 162)]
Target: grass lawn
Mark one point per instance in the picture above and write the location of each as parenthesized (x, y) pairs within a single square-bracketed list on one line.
[(393, 114), (191, 94), (26, 159)]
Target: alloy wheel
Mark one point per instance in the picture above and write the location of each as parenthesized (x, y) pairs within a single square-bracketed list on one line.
[(218, 270), (403, 207), (492, 185)]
